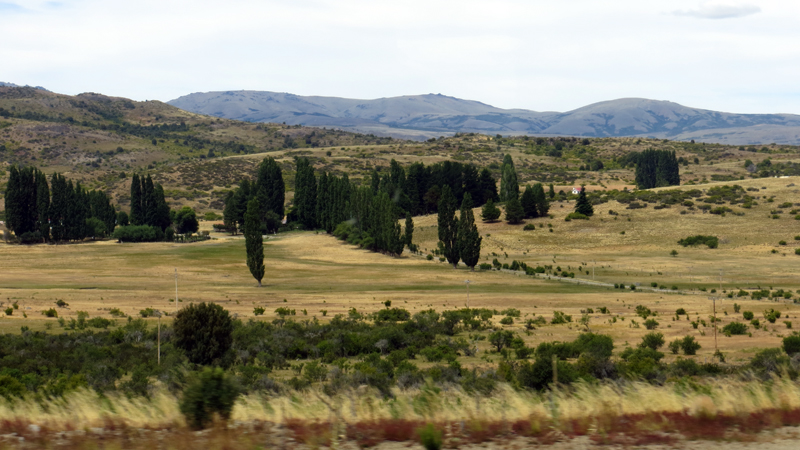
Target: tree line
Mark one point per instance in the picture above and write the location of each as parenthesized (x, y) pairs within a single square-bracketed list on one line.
[(657, 168), (38, 211)]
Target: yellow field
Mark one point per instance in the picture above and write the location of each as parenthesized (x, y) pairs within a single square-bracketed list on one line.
[(316, 273)]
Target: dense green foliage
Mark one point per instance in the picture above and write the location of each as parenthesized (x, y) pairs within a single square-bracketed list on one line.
[(509, 186), (582, 204), (657, 168), (60, 211), (514, 212), (490, 213), (210, 392), (148, 206), (710, 241), (204, 332), (469, 239), (254, 242), (448, 227)]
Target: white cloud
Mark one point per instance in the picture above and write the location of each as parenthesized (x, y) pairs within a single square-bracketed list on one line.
[(714, 10), (542, 55)]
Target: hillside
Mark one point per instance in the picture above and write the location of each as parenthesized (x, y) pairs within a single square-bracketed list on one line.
[(424, 116), (101, 141)]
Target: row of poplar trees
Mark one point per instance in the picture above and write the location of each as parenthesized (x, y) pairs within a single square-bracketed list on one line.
[(268, 190), (657, 168), (148, 205), (59, 211), (458, 237)]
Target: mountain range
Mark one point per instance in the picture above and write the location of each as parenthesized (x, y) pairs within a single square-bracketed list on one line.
[(432, 115)]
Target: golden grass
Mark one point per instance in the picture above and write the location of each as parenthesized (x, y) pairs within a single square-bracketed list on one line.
[(85, 409)]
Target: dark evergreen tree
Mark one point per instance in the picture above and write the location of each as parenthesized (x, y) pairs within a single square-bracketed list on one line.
[(241, 198), (657, 168), (43, 206), (229, 212), (254, 240), (552, 192), (122, 219), (509, 187), (469, 240), (270, 188), (488, 187), (58, 208), (514, 212), (204, 332), (161, 213), (490, 213), (448, 227), (305, 194), (149, 202), (137, 216), (528, 202), (542, 205), (582, 205), (409, 231)]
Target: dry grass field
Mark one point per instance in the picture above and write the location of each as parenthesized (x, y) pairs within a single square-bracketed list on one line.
[(319, 277)]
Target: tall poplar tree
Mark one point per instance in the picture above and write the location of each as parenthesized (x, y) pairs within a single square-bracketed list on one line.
[(253, 240), (409, 231), (509, 187), (448, 227), (469, 240), (542, 204), (528, 202), (137, 215)]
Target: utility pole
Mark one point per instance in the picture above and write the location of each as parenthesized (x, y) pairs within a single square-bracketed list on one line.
[(714, 303), (158, 313), (467, 283), (176, 289)]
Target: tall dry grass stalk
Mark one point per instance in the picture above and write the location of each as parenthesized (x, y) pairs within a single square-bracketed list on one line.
[(582, 401)]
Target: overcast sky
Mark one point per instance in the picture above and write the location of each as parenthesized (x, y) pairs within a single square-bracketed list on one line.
[(544, 55)]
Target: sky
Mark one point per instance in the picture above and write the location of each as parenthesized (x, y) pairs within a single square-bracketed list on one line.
[(542, 55)]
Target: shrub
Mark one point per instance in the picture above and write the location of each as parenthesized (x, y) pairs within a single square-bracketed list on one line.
[(689, 345), (680, 312), (204, 331), (50, 312), (652, 340), (430, 437), (650, 324), (507, 321), (747, 315), (797, 251), (61, 303), (559, 318), (576, 216), (675, 346), (137, 233), (791, 344), (147, 312), (710, 241), (485, 266), (429, 257), (9, 311), (781, 242), (257, 311), (529, 227), (116, 312), (734, 328), (98, 322), (737, 307), (511, 312), (211, 392)]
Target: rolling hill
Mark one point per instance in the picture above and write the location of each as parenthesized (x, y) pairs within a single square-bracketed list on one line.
[(432, 115)]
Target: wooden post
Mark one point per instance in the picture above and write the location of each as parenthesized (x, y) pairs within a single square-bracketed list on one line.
[(159, 338)]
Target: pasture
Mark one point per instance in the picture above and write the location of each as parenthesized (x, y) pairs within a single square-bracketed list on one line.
[(318, 277)]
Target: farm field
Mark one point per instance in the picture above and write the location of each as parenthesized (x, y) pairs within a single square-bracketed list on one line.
[(320, 277)]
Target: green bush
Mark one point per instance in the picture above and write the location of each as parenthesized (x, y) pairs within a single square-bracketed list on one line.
[(652, 340), (680, 312), (791, 344), (430, 437), (257, 311), (734, 328), (710, 241), (50, 312), (747, 315), (675, 346), (9, 311), (211, 392), (559, 318), (689, 345), (485, 266), (138, 233), (576, 216), (98, 322), (529, 227), (147, 312), (507, 321), (204, 331), (651, 324)]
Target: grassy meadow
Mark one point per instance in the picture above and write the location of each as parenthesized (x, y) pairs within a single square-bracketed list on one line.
[(319, 277)]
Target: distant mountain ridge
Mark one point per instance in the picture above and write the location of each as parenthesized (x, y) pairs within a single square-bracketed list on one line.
[(5, 84), (424, 116)]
